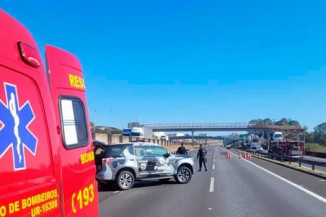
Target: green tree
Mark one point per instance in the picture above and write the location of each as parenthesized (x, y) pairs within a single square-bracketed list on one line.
[(294, 123), (268, 121), (318, 136), (321, 128), (115, 130), (282, 122), (255, 121)]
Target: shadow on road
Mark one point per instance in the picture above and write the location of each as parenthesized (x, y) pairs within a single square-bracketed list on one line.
[(106, 187), (138, 184), (142, 184)]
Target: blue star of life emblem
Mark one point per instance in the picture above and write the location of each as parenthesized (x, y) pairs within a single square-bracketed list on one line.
[(14, 132)]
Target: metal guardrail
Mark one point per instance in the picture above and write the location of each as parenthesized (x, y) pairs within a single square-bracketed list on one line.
[(291, 159)]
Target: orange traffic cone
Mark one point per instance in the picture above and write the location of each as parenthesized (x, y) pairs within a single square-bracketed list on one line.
[(249, 156), (246, 155), (240, 156)]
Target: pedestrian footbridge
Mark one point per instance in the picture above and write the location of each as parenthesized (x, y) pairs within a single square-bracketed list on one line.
[(205, 127)]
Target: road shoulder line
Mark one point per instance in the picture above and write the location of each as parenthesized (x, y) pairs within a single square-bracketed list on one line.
[(316, 196)]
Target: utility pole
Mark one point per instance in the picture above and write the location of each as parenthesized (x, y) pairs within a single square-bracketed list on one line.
[(192, 138)]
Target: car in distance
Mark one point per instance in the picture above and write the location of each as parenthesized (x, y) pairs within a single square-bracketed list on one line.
[(125, 163), (257, 149), (277, 136)]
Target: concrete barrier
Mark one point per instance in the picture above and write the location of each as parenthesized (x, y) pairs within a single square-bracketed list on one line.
[(102, 137), (115, 138)]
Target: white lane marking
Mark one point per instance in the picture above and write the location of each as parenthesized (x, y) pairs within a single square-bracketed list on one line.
[(322, 180), (116, 192), (214, 160), (210, 209), (211, 186), (316, 196), (213, 167)]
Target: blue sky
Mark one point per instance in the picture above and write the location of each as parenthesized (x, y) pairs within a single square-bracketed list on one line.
[(190, 61)]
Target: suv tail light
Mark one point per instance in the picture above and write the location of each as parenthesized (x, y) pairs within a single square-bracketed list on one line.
[(107, 160)]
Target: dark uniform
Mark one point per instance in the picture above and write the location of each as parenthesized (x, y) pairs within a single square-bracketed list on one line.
[(182, 150), (202, 152)]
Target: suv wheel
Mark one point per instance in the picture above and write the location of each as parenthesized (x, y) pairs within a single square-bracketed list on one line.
[(125, 180), (183, 175)]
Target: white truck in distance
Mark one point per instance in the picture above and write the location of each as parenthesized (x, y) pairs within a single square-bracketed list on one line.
[(277, 136)]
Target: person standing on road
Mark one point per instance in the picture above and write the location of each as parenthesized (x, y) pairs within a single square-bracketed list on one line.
[(182, 150), (202, 152)]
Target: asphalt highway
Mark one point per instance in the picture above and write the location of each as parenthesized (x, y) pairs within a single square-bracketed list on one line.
[(231, 187)]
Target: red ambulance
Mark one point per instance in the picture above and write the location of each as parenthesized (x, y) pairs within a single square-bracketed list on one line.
[(46, 159)]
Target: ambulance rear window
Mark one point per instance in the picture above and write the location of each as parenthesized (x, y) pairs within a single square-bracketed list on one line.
[(73, 121)]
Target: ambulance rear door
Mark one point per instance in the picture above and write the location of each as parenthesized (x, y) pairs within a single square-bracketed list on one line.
[(76, 152)]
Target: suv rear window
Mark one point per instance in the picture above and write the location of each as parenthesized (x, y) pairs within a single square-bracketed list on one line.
[(115, 151)]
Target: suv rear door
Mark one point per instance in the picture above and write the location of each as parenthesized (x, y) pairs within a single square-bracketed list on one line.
[(144, 167), (99, 151), (119, 156), (157, 161)]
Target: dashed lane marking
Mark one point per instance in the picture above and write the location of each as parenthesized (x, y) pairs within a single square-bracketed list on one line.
[(211, 186), (116, 192), (213, 167)]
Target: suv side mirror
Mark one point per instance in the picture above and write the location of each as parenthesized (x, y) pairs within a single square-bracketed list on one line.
[(166, 155)]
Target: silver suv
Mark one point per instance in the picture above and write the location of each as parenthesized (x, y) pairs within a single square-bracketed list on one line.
[(125, 163)]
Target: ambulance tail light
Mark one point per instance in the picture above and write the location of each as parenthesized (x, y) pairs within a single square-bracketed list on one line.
[(29, 55), (107, 160)]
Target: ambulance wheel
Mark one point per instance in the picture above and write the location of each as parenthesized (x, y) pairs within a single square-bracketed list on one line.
[(125, 180), (183, 175)]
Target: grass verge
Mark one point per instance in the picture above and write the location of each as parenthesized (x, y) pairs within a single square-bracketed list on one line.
[(316, 147)]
